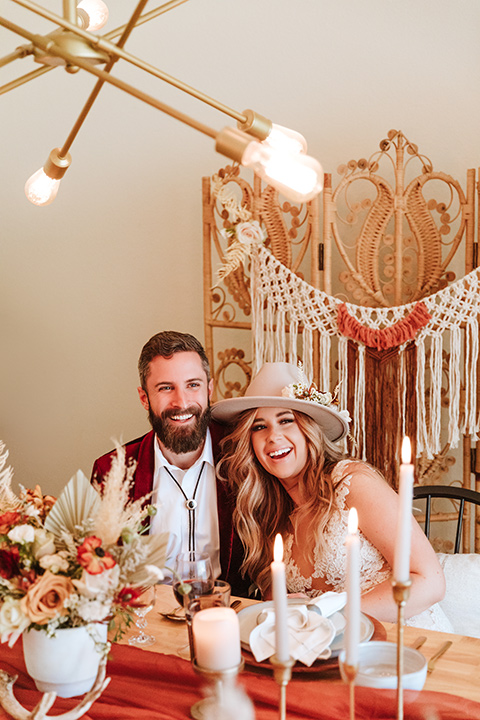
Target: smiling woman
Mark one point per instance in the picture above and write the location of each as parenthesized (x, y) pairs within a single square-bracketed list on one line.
[(290, 477)]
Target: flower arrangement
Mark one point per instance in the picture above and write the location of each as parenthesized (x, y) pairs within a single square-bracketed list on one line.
[(243, 234), (81, 559), (302, 390)]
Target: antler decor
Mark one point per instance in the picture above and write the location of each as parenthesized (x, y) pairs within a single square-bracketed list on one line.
[(16, 710)]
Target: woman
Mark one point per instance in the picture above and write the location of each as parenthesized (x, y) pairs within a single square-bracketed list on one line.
[(290, 477)]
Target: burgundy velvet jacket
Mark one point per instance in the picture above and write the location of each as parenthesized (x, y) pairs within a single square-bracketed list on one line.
[(141, 451)]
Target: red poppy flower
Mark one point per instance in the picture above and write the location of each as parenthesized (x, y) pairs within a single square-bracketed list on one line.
[(93, 557), (128, 596)]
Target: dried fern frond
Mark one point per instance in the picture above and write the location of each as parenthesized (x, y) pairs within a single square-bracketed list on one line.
[(8, 499), (234, 257)]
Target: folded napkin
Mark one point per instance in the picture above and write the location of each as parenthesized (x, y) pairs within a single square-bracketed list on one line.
[(309, 635), (329, 603)]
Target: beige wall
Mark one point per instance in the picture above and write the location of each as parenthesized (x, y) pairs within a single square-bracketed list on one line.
[(86, 281)]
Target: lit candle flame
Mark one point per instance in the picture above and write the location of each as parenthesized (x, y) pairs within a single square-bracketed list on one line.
[(278, 548), (353, 521), (406, 451)]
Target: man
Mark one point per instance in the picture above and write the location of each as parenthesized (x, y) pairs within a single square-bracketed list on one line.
[(176, 459)]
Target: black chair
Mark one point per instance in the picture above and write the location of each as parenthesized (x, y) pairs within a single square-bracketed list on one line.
[(461, 494)]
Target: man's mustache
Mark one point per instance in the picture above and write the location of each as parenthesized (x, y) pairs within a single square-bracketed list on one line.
[(173, 412)]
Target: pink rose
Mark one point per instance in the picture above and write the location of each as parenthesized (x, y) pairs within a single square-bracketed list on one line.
[(250, 233)]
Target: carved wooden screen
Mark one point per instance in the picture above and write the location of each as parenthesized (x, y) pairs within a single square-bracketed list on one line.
[(292, 236), (394, 231)]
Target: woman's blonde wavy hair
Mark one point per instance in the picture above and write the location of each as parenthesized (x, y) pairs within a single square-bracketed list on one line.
[(263, 507)]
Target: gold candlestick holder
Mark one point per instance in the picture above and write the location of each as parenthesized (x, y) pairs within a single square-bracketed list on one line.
[(282, 672), (202, 709), (349, 674), (401, 593)]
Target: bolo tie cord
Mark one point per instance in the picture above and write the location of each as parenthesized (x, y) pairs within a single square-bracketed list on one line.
[(190, 504)]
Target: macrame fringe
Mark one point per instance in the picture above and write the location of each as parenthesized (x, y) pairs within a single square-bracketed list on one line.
[(292, 304)]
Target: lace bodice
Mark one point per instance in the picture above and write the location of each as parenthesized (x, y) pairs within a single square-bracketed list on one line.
[(331, 564)]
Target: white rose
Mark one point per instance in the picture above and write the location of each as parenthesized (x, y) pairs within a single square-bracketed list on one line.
[(43, 544), (55, 563), (12, 621), (92, 585), (250, 233), (287, 391), (22, 534)]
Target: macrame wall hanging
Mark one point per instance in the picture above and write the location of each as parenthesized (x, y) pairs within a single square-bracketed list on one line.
[(283, 303), (364, 293)]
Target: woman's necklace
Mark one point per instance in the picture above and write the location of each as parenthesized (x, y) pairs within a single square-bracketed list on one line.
[(190, 504)]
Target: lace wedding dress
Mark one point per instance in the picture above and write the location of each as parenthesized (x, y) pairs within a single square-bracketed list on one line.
[(331, 564)]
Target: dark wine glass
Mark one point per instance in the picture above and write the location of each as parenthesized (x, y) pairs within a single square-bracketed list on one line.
[(193, 577)]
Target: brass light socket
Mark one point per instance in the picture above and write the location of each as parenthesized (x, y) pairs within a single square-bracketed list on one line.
[(255, 124), (57, 165)]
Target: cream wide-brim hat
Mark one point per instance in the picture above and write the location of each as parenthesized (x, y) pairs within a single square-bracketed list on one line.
[(265, 390)]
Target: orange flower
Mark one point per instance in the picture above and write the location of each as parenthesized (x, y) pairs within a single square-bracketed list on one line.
[(43, 503), (8, 520), (93, 557), (45, 598)]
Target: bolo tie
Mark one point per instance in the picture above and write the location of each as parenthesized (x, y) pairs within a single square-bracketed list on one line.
[(190, 504)]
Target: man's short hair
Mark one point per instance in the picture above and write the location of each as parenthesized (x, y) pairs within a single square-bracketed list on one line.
[(166, 344)]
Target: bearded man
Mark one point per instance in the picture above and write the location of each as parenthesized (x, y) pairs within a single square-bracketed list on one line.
[(176, 460)]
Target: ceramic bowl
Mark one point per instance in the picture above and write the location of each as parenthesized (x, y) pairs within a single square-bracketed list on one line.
[(377, 666)]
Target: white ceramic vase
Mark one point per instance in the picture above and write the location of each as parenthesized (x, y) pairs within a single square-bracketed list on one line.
[(66, 664)]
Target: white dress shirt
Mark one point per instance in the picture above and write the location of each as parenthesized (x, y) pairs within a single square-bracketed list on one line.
[(172, 515)]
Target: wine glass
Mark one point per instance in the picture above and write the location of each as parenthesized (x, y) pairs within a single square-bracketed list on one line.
[(193, 577), (146, 603)]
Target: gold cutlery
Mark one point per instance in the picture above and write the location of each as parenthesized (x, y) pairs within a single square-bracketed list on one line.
[(418, 642), (439, 653), (177, 614)]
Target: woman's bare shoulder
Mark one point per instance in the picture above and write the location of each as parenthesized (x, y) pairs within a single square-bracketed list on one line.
[(356, 469)]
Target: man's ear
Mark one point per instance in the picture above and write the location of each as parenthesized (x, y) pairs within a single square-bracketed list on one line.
[(143, 398), (210, 388)]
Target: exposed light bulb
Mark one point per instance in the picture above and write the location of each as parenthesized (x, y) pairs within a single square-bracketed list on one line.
[(276, 136), (42, 187), (283, 138), (299, 177), (97, 13)]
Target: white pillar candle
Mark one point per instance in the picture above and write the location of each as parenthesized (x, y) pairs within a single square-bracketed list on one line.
[(216, 634), (279, 592), (352, 610), (401, 562)]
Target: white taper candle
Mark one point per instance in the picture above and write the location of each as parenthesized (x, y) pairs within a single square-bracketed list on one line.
[(401, 562)]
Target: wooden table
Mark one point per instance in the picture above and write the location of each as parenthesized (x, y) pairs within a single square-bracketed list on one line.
[(457, 672)]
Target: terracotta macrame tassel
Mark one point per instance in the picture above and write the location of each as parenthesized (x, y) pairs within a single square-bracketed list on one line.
[(384, 338)]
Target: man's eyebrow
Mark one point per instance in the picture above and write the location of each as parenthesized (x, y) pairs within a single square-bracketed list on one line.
[(172, 382)]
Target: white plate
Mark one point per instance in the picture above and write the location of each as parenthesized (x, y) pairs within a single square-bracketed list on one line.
[(248, 616)]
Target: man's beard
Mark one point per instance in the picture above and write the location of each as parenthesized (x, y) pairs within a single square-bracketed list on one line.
[(181, 439)]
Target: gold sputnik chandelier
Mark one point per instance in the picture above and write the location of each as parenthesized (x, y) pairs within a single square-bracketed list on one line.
[(278, 155)]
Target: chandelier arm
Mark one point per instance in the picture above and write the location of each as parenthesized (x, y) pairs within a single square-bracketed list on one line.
[(145, 18), (112, 49), (48, 45), (127, 30), (20, 52), (24, 79)]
